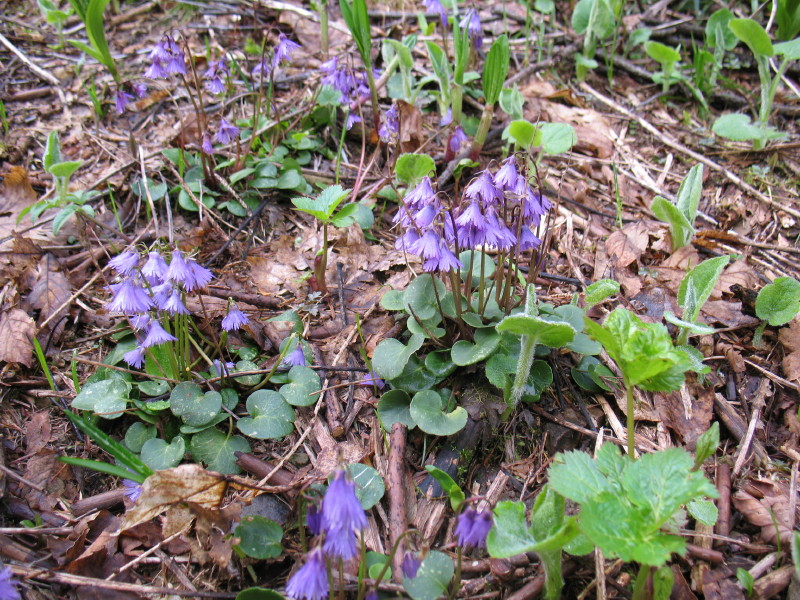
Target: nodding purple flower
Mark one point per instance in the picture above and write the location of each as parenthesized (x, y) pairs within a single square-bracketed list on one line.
[(411, 565), (342, 516), (156, 70), (352, 119), (283, 50), (295, 358), (132, 491), (390, 129), (8, 585), (129, 298), (534, 204), (483, 188), (434, 249), (447, 118), (527, 239), (156, 335), (121, 101), (125, 262), (222, 369), (139, 322), (155, 269), (199, 276), (472, 23), (166, 57), (140, 90), (472, 527), (371, 595), (174, 304), (339, 78), (235, 319), (313, 518), (135, 358), (421, 195), (226, 132), (161, 293), (435, 6), (457, 139), (206, 145), (507, 177), (372, 378), (178, 270), (310, 582), (215, 76)]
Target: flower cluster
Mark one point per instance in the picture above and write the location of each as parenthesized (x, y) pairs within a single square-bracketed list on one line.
[(216, 75), (472, 527), (148, 292), (390, 126), (339, 519), (497, 210), (166, 58), (353, 87), (472, 23), (283, 51)]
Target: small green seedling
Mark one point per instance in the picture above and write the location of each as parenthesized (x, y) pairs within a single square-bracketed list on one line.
[(737, 126), (645, 355), (92, 16), (55, 16), (668, 58), (681, 215), (777, 303), (68, 202), (323, 208), (595, 19), (693, 292), (550, 534)]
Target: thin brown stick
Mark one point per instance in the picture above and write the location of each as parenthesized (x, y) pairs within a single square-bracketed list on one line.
[(91, 582), (398, 519)]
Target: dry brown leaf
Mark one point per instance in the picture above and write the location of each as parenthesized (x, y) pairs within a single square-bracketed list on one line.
[(16, 194), (49, 295), (411, 136), (764, 504), (688, 415), (16, 337), (791, 366), (790, 335), (741, 273), (626, 246), (164, 489), (728, 314), (38, 432)]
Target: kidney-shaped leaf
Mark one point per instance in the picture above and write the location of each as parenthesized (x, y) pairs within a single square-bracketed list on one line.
[(159, 455), (466, 353), (426, 410), (218, 450), (195, 408), (303, 386), (271, 417), (433, 577)]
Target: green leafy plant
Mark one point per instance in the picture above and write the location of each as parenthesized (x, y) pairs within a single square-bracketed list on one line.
[(549, 138), (668, 58), (595, 20), (777, 303), (737, 126), (693, 292), (787, 17), (550, 534), (68, 203), (629, 508), (681, 215), (92, 16), (54, 16), (357, 20), (645, 355), (494, 76), (324, 209)]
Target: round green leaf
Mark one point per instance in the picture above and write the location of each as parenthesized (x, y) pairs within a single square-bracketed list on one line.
[(415, 377), (432, 578), (472, 261), (106, 397), (303, 387), (195, 408), (153, 387), (137, 435), (410, 168), (257, 593), (466, 353), (391, 355), (439, 363), (754, 35), (246, 380), (158, 454), (420, 296), (369, 484), (191, 429), (777, 302), (271, 417), (230, 398), (394, 407), (426, 410), (217, 450), (557, 137), (260, 537)]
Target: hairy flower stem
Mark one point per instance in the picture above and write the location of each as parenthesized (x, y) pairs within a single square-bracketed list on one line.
[(373, 92), (527, 353), (456, 585), (483, 130), (322, 266), (630, 421), (323, 27), (553, 580), (457, 94)]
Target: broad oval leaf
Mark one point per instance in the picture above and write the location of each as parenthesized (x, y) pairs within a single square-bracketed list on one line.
[(369, 484), (468, 353), (778, 302), (391, 355), (303, 387), (395, 407), (259, 537), (754, 35), (217, 450), (159, 455), (432, 579)]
